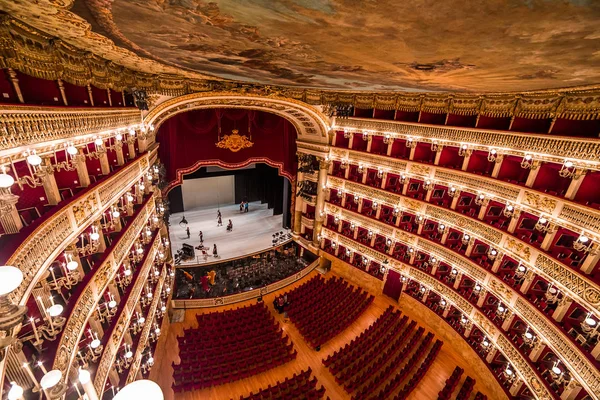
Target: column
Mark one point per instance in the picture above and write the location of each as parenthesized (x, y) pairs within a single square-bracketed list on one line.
[(320, 203), (411, 261), (466, 159), (103, 158), (378, 212), (372, 242), (516, 387), (109, 98), (429, 192), (446, 311), (90, 96), (46, 174), (12, 77), (405, 187), (536, 351), (131, 147), (424, 298), (497, 262), (411, 156), (571, 391), (575, 183), (512, 225), (360, 204), (142, 142), (508, 320), (457, 281), (389, 148), (384, 180), (590, 260), (82, 171), (497, 165), (350, 140), (481, 298), (298, 214), (470, 247), (63, 94), (483, 209), (468, 330), (420, 228), (369, 141), (438, 154), (455, 200), (9, 216), (347, 171), (491, 354), (527, 281), (445, 235), (119, 152), (549, 236), (562, 308), (533, 173)]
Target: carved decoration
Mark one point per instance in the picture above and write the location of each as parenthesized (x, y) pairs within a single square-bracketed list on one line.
[(519, 248), (539, 202), (234, 142)]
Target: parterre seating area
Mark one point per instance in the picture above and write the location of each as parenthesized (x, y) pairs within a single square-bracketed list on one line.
[(451, 384), (466, 389), (298, 387), (321, 308), (423, 368), (228, 346)]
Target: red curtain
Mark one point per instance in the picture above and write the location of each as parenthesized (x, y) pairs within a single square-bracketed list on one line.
[(188, 141), (393, 285)]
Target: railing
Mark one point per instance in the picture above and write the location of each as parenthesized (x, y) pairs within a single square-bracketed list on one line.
[(25, 126), (579, 365), (45, 243), (555, 148), (252, 294)]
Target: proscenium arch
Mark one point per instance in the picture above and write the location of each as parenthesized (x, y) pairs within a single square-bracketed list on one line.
[(311, 125)]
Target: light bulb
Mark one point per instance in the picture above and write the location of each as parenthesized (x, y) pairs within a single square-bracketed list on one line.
[(583, 239), (95, 343), (112, 304), (157, 331), (72, 150), (141, 320), (543, 220), (34, 159), (98, 142), (116, 214), (6, 181), (129, 354), (127, 272), (119, 137), (94, 236), (568, 164), (163, 308), (72, 265)]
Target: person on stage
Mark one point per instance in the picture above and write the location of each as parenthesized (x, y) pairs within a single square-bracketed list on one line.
[(219, 220), (229, 226), (215, 254), (201, 237), (242, 206), (246, 207), (218, 214), (187, 230)]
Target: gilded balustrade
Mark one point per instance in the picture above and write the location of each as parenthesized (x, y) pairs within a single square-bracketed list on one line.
[(563, 211), (582, 368), (113, 344), (137, 358), (490, 284), (570, 282), (42, 246), (307, 222), (92, 293), (25, 126), (546, 147)]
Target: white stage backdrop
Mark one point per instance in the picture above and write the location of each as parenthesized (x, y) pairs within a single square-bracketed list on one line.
[(208, 192)]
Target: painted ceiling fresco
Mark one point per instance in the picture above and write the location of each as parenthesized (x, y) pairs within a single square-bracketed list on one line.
[(458, 45)]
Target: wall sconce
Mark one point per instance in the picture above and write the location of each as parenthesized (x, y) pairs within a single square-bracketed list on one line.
[(492, 254), (441, 229), (480, 199), (347, 135), (379, 173), (147, 366), (410, 143), (509, 374), (375, 205), (492, 155), (365, 136), (124, 360), (583, 243), (463, 150), (453, 192), (520, 271), (361, 169), (528, 337), (12, 314), (355, 199), (420, 220), (387, 138), (344, 164), (542, 225), (427, 185), (527, 162), (370, 234), (509, 211), (339, 194), (365, 260), (568, 170), (352, 226), (396, 212), (465, 239), (108, 309), (403, 179), (93, 244)]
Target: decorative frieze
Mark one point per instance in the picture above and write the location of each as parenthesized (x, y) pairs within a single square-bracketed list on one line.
[(477, 228)]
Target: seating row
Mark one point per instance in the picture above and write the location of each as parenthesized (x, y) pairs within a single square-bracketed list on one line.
[(451, 384), (466, 389), (295, 388), (423, 368)]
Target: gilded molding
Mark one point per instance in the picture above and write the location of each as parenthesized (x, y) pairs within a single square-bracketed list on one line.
[(546, 147)]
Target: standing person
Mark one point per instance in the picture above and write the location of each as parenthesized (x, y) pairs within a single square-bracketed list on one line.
[(218, 214), (219, 220), (215, 251), (242, 206), (246, 207), (229, 226), (201, 237), (187, 230)]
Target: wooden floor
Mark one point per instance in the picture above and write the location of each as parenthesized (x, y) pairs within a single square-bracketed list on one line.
[(454, 352)]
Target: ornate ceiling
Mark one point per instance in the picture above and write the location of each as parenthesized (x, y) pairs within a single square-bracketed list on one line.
[(459, 45)]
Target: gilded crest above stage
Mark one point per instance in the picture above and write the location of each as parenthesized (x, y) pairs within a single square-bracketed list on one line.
[(426, 45), (234, 142)]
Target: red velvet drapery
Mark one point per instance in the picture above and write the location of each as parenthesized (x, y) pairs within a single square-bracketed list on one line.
[(188, 141)]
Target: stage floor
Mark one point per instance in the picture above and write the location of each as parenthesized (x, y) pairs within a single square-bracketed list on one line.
[(252, 231)]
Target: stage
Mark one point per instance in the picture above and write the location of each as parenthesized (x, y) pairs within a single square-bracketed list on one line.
[(252, 231)]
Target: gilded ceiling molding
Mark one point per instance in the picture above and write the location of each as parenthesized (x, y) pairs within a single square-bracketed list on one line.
[(542, 146), (564, 212), (62, 45), (311, 125), (570, 355), (577, 286)]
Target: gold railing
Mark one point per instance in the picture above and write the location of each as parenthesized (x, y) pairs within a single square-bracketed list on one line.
[(580, 366), (44, 244), (112, 346), (252, 294), (92, 293), (564, 212), (24, 126), (553, 148)]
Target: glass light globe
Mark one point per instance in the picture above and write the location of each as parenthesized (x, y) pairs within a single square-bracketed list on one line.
[(528, 335), (143, 388), (51, 379), (112, 304), (95, 343), (132, 132), (501, 309), (163, 309), (583, 239), (129, 354), (10, 279), (127, 272), (55, 310), (528, 157), (556, 370), (119, 136), (543, 220), (521, 268), (98, 142), (590, 322), (151, 360), (149, 295), (6, 181), (464, 146), (129, 197), (168, 290), (72, 265), (15, 392), (493, 151), (94, 236), (141, 320), (568, 164), (509, 371), (34, 159), (140, 250), (477, 287), (509, 207), (157, 331), (142, 186), (156, 273), (72, 150), (485, 343), (116, 214), (84, 376)]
